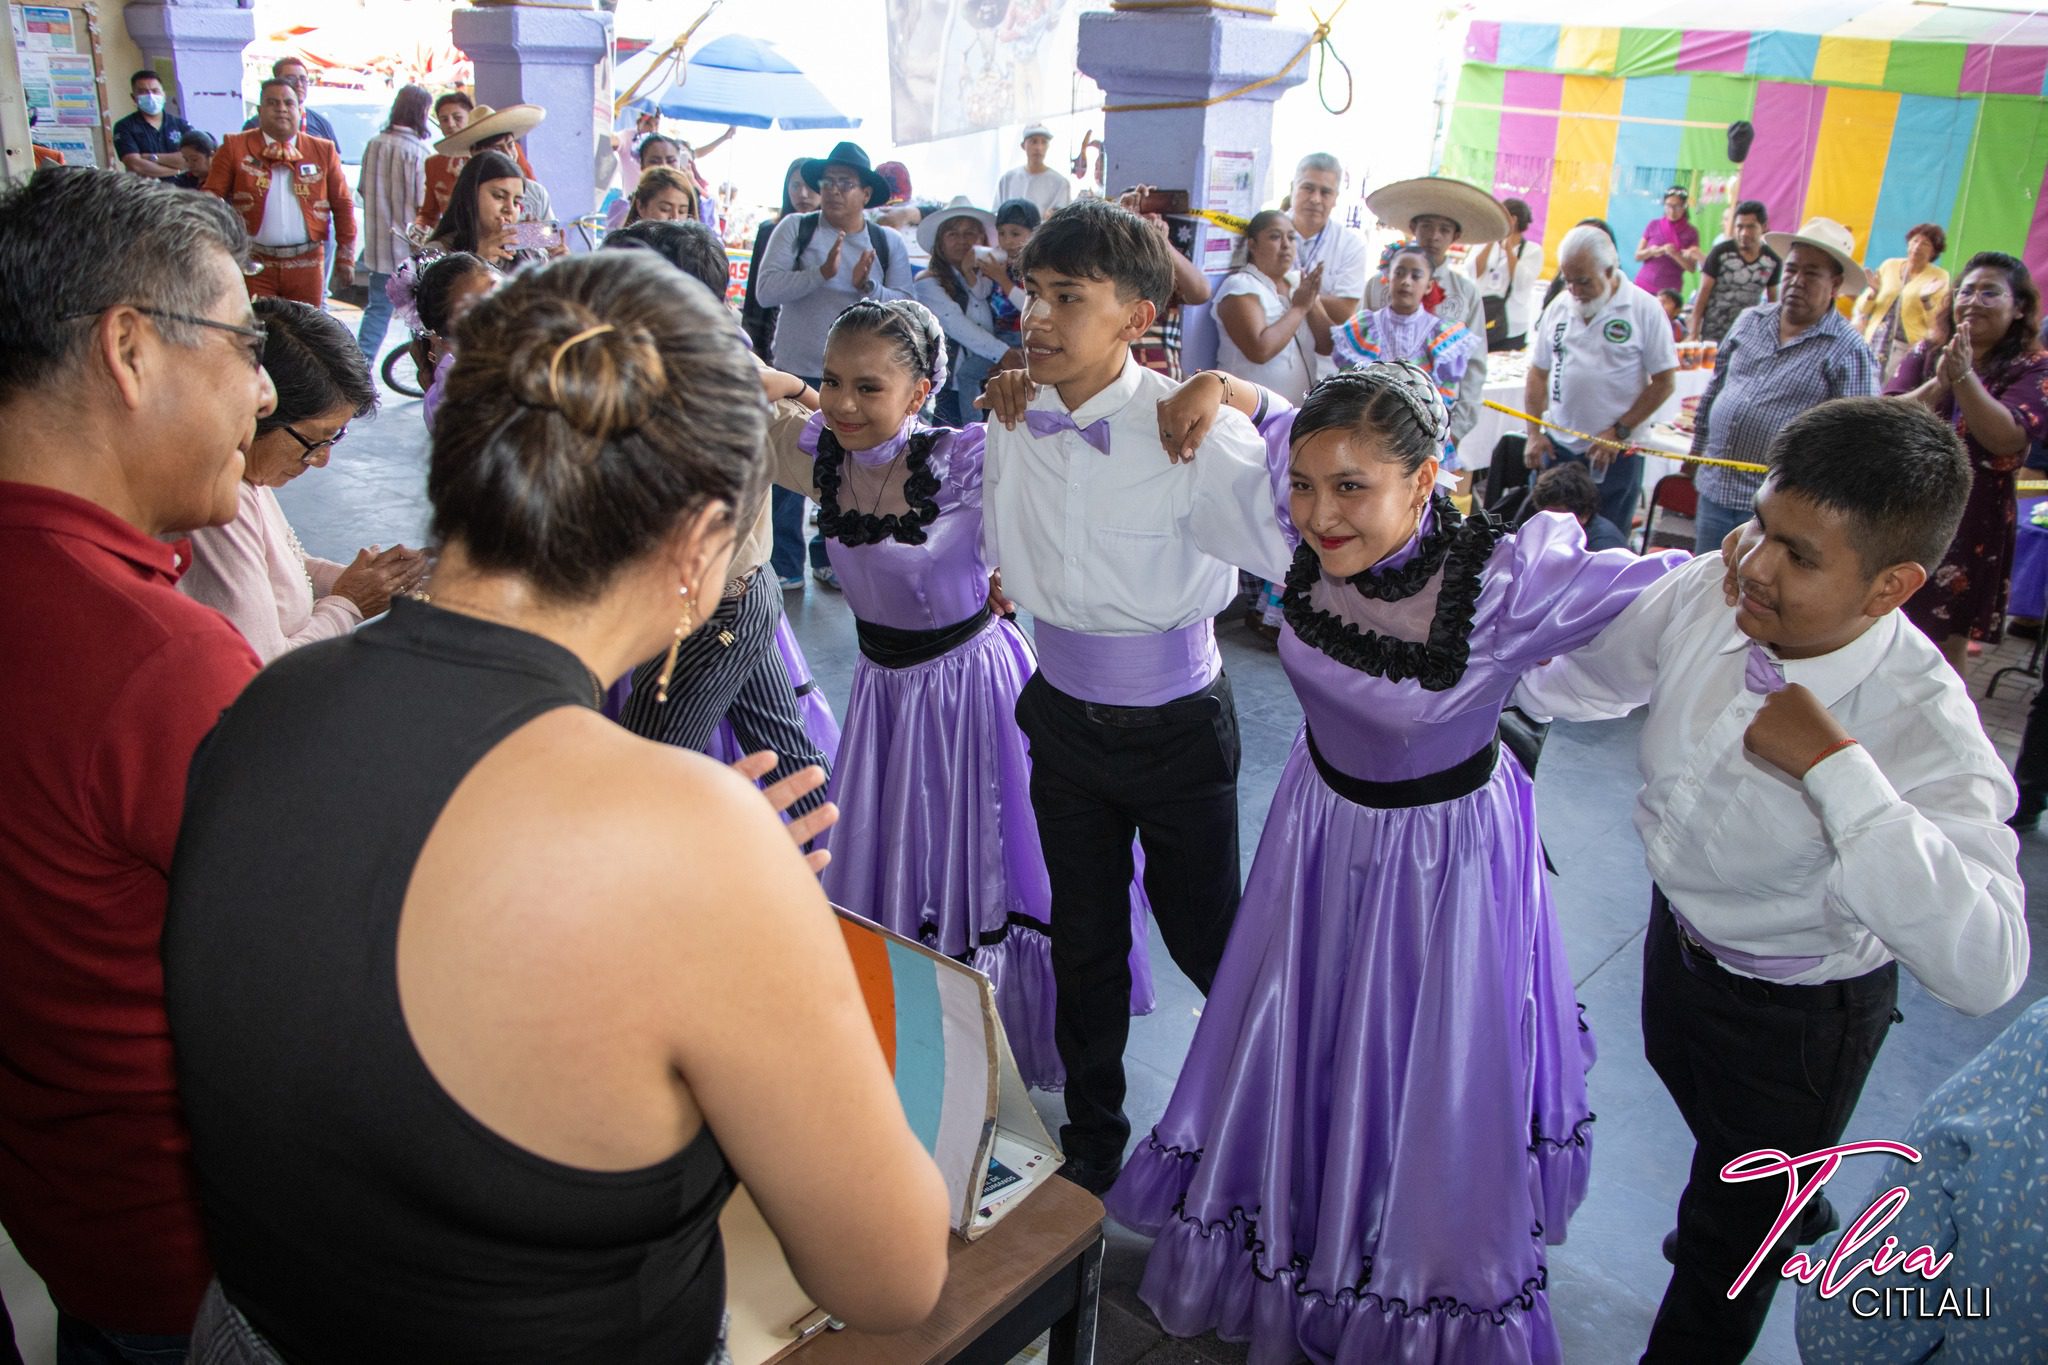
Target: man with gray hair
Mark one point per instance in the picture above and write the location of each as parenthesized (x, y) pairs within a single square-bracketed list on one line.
[(131, 381), (1322, 241), (1603, 361)]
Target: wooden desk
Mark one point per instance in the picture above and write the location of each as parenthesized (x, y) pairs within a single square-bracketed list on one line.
[(1038, 1269)]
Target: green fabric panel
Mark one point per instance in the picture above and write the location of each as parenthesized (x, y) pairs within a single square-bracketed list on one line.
[(1473, 135), (1996, 205), (1647, 52), (1718, 99), (1925, 68)]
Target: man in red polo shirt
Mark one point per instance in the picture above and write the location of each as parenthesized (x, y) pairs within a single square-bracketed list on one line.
[(131, 379)]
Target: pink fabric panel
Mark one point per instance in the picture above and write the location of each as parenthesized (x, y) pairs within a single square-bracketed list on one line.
[(2004, 68), (1713, 49), (1482, 43), (1528, 142), (1787, 119)]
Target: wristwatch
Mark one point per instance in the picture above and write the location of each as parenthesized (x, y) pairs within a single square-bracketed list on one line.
[(1621, 430)]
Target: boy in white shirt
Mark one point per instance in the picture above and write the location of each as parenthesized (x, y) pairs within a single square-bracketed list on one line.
[(1034, 180), (1819, 804), (1123, 558)]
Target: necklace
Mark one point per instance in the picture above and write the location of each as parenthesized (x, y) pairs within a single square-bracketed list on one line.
[(466, 609), (882, 490)]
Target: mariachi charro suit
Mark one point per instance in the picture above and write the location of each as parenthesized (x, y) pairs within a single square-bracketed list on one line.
[(241, 175)]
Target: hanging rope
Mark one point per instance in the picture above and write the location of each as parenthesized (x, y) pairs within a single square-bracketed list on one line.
[(671, 59), (1318, 39)]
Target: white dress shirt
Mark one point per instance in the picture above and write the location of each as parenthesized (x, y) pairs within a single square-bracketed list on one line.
[(1893, 847), (283, 223), (1128, 543)]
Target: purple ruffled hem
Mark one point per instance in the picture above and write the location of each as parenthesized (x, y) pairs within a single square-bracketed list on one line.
[(1020, 969), (1206, 1278)]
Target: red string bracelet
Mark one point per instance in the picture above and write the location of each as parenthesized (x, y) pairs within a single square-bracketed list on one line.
[(1828, 752)]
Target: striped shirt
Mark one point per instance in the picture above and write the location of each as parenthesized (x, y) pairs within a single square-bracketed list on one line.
[(1761, 383), (392, 183)]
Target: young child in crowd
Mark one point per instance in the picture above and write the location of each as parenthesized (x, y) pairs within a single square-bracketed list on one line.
[(1405, 330), (1819, 804), (432, 296), (1674, 304), (196, 150)]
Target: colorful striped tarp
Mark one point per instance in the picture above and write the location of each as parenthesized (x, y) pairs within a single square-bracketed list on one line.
[(1885, 116)]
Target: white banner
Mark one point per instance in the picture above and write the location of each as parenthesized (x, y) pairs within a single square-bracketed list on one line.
[(962, 66)]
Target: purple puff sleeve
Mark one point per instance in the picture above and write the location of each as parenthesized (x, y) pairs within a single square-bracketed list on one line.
[(1560, 594)]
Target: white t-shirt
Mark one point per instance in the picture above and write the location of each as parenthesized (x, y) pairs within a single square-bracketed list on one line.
[(1048, 189), (1290, 373), (1599, 368)]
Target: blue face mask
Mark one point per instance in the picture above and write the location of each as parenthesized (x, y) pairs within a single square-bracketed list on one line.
[(150, 104)]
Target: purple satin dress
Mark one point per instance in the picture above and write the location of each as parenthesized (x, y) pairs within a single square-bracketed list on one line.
[(1382, 1119), (936, 839)]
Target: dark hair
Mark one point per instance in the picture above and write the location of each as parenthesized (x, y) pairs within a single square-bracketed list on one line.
[(313, 362), (198, 141), (1897, 471), (1093, 239), (1935, 235), (687, 245), (76, 241), (655, 179), (279, 81), (437, 285), (595, 403), (409, 109), (144, 76), (1018, 213), (1568, 487), (1364, 402), (453, 97), (795, 171), (1673, 295), (640, 147), (1755, 209), (458, 225), (1518, 214), (920, 342), (2023, 336)]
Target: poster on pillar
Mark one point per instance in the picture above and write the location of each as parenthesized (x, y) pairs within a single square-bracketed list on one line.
[(963, 66)]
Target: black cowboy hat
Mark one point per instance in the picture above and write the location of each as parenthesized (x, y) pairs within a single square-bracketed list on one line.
[(854, 159)]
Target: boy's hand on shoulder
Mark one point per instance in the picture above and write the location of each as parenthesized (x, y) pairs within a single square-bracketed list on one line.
[(1793, 730)]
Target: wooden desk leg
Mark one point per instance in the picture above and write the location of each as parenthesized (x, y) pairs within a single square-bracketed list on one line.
[(1073, 1336)]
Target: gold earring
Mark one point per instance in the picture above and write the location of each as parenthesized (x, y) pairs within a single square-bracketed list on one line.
[(684, 625)]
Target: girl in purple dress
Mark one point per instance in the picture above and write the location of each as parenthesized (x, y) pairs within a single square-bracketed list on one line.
[(935, 839), (1382, 1119)]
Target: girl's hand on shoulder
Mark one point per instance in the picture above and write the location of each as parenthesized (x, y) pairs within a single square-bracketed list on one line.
[(1006, 396)]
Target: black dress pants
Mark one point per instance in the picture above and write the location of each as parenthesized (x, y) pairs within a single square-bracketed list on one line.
[(1100, 775), (1751, 1064)]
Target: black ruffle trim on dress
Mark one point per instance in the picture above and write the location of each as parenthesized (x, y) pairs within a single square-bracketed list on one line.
[(1243, 1223), (1457, 544), (1576, 1138), (856, 528)]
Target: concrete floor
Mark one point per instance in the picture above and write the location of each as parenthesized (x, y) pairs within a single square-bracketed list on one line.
[(1606, 1280)]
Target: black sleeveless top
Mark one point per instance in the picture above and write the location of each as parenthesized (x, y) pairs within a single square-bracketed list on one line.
[(354, 1210)]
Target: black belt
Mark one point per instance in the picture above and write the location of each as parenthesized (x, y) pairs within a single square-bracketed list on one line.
[(893, 648), (1432, 789), (1200, 704), (1699, 960)]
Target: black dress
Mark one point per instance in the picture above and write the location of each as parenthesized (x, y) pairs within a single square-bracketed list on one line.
[(354, 1209)]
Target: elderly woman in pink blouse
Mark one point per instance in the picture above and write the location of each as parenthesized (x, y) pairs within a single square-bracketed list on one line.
[(253, 570)]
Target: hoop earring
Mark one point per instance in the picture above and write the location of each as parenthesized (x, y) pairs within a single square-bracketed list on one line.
[(684, 625)]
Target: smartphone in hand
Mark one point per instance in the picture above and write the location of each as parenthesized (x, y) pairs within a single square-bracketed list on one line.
[(536, 236)]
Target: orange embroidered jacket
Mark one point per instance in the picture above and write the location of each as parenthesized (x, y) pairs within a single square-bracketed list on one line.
[(241, 176)]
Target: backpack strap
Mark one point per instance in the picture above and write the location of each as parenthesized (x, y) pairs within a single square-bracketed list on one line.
[(806, 228)]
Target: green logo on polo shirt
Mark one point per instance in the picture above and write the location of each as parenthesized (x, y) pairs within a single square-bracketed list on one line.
[(1617, 330)]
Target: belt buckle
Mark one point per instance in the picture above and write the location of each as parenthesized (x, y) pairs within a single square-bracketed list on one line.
[(1685, 937)]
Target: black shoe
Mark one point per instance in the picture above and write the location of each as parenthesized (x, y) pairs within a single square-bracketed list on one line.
[(1815, 1222), (1093, 1176), (2033, 800)]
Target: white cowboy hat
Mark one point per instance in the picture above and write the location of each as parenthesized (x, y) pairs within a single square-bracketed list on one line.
[(961, 207), (1479, 216), (1827, 235), (486, 123)]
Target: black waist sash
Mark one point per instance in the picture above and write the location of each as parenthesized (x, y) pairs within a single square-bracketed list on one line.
[(893, 648), (1461, 779)]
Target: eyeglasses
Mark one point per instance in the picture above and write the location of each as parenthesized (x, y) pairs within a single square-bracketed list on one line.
[(840, 184), (313, 448), (257, 332)]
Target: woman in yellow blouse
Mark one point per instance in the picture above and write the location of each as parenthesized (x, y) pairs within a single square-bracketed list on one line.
[(1904, 297)]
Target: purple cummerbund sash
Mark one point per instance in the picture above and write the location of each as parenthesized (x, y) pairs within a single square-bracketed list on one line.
[(1129, 670), (1769, 968)]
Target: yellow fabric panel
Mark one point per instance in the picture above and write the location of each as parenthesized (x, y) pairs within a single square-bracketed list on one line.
[(1582, 176), (1854, 141), (1583, 48), (1851, 61)]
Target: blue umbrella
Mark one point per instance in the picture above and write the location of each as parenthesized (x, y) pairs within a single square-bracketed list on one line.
[(730, 80)]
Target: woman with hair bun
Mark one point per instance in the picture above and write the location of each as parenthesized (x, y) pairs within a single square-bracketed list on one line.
[(1382, 1117), (473, 1060), (935, 838)]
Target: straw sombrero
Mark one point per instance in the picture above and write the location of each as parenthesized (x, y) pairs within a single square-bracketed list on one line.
[(962, 207), (1479, 217), (1827, 235), (486, 123)]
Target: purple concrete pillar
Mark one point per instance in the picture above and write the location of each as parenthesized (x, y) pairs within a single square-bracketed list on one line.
[(1145, 57), (203, 41), (553, 54)]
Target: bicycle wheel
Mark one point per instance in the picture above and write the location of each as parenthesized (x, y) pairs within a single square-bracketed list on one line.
[(410, 385)]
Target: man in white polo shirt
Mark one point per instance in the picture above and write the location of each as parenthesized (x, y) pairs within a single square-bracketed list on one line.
[(1602, 362), (1320, 240)]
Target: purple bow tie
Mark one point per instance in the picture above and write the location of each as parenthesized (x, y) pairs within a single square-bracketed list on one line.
[(1045, 423), (1762, 674)]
